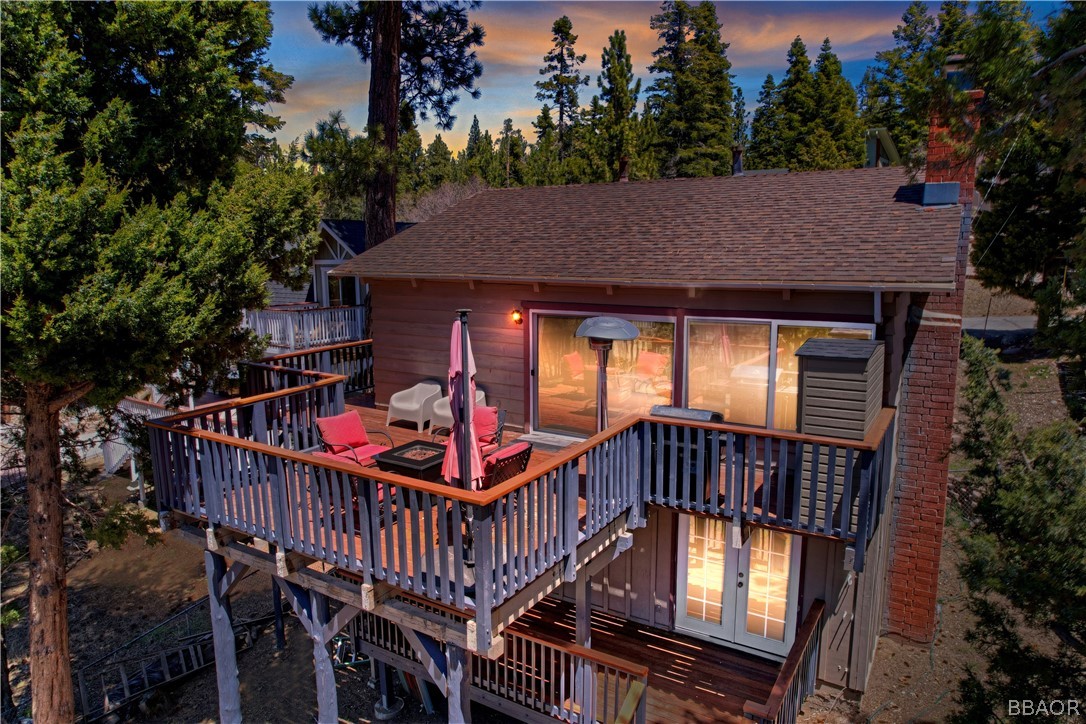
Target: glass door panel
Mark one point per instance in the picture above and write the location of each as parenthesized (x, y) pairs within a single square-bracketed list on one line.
[(767, 594), (728, 369), (786, 391), (639, 374), (745, 596)]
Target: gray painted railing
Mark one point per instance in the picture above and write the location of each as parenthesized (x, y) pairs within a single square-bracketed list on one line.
[(296, 327), (810, 484), (353, 360), (797, 677)]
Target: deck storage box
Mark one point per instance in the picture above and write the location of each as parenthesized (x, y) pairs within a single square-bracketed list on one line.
[(840, 396)]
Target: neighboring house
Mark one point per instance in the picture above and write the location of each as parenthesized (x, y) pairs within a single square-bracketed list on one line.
[(327, 310), (341, 239), (741, 562)]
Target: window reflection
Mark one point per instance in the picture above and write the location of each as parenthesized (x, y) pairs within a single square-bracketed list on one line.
[(639, 374), (786, 392), (729, 370), (767, 589)]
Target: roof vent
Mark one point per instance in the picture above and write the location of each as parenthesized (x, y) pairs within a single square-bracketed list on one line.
[(941, 194)]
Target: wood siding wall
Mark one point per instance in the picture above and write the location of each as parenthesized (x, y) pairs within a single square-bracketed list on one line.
[(411, 325)]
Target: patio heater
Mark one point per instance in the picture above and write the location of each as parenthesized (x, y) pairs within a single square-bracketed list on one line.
[(602, 332)]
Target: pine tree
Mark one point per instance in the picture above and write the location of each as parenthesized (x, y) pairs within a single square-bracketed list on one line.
[(563, 81), (797, 94), (419, 53), (437, 166), (692, 96), (544, 168), (740, 124), (767, 149), (836, 114), (475, 137), (897, 92), (341, 162), (511, 150), (618, 93)]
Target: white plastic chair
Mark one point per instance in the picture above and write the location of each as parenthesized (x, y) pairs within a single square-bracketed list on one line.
[(413, 404), (441, 416)]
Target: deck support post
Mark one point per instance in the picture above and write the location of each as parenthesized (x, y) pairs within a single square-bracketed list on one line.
[(585, 686), (458, 680), (389, 705), (327, 703), (277, 610), (222, 631)]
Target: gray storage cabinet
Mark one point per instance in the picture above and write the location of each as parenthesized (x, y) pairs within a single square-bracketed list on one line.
[(840, 395), (840, 386)]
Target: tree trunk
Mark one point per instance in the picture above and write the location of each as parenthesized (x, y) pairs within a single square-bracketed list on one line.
[(384, 113), (50, 668)]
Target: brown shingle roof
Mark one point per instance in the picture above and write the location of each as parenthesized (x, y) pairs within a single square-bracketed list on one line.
[(856, 229)]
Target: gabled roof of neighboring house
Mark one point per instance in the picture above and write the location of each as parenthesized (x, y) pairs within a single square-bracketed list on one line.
[(352, 233), (853, 229), (279, 294)]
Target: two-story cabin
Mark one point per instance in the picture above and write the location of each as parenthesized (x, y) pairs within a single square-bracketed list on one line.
[(737, 563)]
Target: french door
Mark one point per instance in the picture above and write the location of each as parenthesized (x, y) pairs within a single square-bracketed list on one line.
[(743, 596)]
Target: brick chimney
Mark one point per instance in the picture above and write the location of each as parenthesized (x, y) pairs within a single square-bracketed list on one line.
[(927, 394), (944, 163)]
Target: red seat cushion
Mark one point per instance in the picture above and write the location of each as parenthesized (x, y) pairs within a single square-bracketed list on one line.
[(342, 432), (495, 459)]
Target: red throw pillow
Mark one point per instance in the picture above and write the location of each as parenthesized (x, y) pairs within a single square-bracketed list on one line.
[(342, 432)]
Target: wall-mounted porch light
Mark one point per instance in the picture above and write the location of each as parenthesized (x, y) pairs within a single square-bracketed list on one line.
[(517, 317)]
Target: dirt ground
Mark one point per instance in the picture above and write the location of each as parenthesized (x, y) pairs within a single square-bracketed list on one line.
[(116, 594), (979, 302)]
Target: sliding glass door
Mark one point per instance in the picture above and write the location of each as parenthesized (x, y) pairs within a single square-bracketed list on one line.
[(640, 372), (745, 369)]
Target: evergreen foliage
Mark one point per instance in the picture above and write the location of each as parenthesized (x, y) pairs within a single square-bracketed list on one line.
[(835, 118), (133, 235), (741, 125), (766, 140), (1025, 551), (343, 163), (618, 93), (421, 55), (563, 81), (692, 95), (1031, 239)]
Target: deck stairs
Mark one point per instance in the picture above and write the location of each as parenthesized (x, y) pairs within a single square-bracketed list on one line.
[(161, 656)]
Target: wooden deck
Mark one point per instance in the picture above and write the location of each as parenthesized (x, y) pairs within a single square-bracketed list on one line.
[(690, 680), (403, 431)]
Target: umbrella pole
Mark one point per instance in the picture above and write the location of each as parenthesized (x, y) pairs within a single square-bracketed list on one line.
[(465, 429)]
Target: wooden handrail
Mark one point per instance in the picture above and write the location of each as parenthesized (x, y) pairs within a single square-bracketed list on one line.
[(870, 442), (598, 657), (315, 350), (593, 655), (630, 704), (235, 402), (788, 671)]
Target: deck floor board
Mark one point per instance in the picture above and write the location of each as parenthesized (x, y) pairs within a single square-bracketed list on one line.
[(690, 680)]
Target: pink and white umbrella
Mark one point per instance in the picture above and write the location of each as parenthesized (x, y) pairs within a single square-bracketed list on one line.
[(463, 456)]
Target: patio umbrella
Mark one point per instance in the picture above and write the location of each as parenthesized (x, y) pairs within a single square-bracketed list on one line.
[(463, 457)]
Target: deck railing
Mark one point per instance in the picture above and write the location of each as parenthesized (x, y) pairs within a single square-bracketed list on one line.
[(353, 360), (797, 677), (556, 679), (302, 326), (807, 483)]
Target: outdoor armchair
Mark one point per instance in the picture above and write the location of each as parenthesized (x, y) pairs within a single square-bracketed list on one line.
[(344, 437), (489, 426), (441, 415), (414, 404)]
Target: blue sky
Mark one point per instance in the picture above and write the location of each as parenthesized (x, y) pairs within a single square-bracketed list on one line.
[(327, 77)]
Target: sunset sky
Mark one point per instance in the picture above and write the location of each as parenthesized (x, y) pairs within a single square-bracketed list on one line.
[(327, 77)]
